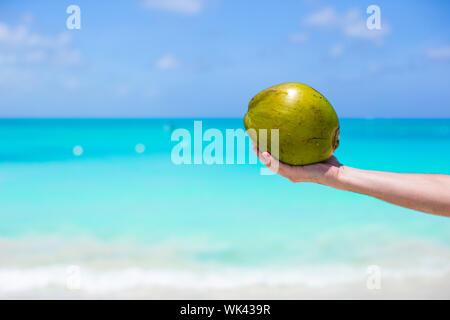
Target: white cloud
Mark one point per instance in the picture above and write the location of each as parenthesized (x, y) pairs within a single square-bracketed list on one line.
[(298, 38), (12, 78), (442, 53), (325, 17), (20, 45), (351, 23), (67, 57), (35, 56), (181, 6), (21, 36), (21, 50), (167, 62)]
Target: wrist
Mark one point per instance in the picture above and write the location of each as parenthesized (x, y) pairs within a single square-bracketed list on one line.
[(335, 177), (344, 178)]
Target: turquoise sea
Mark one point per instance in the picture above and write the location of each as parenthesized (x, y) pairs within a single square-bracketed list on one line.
[(124, 221)]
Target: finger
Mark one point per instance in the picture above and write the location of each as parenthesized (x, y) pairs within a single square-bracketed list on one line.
[(264, 159), (272, 163), (259, 155), (256, 151), (277, 166)]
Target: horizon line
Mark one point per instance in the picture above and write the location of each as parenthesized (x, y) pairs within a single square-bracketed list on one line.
[(206, 118)]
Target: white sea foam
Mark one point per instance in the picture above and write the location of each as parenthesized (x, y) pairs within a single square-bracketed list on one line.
[(44, 268), (48, 280)]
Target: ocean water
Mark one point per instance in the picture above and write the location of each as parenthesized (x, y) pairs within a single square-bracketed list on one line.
[(114, 222)]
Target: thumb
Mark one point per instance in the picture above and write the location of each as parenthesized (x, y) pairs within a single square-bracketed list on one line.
[(272, 163), (265, 158)]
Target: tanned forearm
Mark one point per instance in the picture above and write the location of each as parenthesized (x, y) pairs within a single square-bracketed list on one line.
[(423, 192)]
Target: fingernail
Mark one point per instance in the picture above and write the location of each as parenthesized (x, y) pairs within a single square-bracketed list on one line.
[(266, 159)]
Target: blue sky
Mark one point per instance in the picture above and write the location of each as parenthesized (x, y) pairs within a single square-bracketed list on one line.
[(207, 58)]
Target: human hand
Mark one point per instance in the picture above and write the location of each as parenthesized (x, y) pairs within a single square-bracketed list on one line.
[(417, 191), (325, 172)]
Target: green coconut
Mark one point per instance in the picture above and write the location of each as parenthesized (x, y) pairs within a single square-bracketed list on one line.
[(307, 123)]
